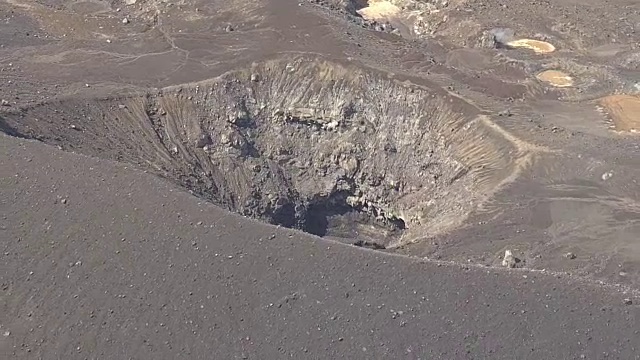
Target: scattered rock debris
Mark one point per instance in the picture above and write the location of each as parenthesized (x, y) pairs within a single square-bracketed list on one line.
[(369, 245)]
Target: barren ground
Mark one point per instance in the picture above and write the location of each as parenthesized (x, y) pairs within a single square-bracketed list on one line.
[(188, 179)]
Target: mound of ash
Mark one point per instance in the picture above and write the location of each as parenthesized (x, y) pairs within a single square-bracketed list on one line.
[(331, 150)]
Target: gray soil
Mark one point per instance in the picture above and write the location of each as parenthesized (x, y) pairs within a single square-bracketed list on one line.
[(150, 272), (187, 179)]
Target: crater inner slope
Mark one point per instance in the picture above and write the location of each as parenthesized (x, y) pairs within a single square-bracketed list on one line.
[(326, 148)]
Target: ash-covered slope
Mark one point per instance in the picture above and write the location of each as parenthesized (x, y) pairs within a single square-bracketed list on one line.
[(102, 261)]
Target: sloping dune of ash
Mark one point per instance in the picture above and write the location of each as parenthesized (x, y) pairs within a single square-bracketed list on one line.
[(103, 261)]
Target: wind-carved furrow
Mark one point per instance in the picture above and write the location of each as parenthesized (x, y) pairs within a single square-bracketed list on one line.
[(332, 150)]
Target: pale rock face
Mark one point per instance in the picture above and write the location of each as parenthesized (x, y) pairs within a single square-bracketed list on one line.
[(509, 260)]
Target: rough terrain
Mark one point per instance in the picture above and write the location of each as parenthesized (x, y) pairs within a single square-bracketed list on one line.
[(149, 145)]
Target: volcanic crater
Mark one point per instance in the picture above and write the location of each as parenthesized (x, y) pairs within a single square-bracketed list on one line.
[(322, 147)]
